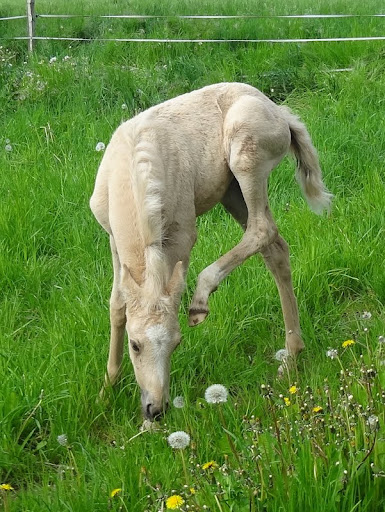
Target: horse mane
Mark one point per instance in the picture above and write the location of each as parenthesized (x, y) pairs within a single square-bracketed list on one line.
[(146, 170)]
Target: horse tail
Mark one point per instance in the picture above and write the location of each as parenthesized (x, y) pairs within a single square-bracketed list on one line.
[(308, 174)]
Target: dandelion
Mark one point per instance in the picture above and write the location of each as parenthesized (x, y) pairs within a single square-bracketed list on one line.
[(317, 409), (216, 394), (175, 501), (52, 60), (293, 390), (332, 353), (178, 402), (178, 440), (6, 487), (287, 401), (124, 106), (373, 423), (8, 148), (100, 146), (348, 343), (67, 57), (210, 465), (115, 492), (381, 339), (192, 490), (366, 315), (281, 355), (62, 439)]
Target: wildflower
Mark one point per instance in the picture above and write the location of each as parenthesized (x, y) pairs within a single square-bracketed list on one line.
[(293, 390), (6, 487), (373, 423), (348, 343), (332, 353), (286, 400), (100, 146), (115, 492), (381, 339), (67, 57), (52, 60), (366, 315), (124, 106), (281, 355), (216, 394), (8, 148), (178, 402), (192, 490), (210, 465), (317, 409), (178, 440), (62, 439), (175, 501)]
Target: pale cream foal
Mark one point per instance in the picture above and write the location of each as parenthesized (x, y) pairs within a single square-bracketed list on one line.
[(160, 171)]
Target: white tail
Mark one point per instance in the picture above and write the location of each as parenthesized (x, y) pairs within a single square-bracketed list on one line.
[(309, 174)]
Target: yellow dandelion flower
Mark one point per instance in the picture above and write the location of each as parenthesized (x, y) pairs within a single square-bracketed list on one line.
[(287, 401), (348, 343), (210, 465), (318, 408), (175, 501), (115, 492), (293, 390), (6, 487), (192, 490)]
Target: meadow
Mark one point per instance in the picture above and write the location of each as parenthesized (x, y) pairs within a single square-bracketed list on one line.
[(313, 440)]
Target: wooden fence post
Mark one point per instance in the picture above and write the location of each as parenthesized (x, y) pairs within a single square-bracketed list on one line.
[(31, 17)]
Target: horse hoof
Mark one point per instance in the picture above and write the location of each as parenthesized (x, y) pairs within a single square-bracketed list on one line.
[(197, 316)]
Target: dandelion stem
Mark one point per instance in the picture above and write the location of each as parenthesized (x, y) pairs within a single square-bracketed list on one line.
[(229, 439), (184, 467)]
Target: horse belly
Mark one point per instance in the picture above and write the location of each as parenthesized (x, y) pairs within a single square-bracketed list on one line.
[(211, 183)]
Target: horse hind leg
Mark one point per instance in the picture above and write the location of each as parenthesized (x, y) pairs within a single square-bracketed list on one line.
[(276, 257)]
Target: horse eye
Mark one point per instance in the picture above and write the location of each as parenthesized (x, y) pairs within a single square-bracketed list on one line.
[(135, 346)]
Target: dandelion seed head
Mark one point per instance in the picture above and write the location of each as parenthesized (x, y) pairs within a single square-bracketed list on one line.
[(178, 402), (8, 148), (124, 106), (366, 315), (381, 339), (178, 440), (281, 355), (373, 422), (100, 146), (62, 439), (216, 394), (52, 60), (332, 353)]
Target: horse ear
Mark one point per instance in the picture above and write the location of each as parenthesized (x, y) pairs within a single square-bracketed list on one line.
[(175, 285), (128, 281)]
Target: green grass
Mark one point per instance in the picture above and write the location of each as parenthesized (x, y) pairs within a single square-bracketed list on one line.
[(55, 274)]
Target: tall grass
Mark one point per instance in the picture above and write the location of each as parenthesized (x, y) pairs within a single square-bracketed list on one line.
[(55, 275)]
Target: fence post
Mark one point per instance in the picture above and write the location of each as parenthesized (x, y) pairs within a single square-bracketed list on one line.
[(31, 17)]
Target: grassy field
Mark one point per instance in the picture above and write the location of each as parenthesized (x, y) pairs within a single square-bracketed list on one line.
[(313, 440)]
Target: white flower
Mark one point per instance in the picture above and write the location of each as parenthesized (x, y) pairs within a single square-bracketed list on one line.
[(178, 402), (178, 440), (373, 423), (62, 439), (366, 315), (381, 339), (8, 148), (100, 146), (124, 106), (216, 394), (282, 354), (52, 60), (332, 353), (67, 57)]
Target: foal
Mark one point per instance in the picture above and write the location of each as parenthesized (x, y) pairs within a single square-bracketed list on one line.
[(161, 170)]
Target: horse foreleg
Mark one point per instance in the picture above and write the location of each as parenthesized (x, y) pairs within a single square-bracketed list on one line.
[(118, 323)]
